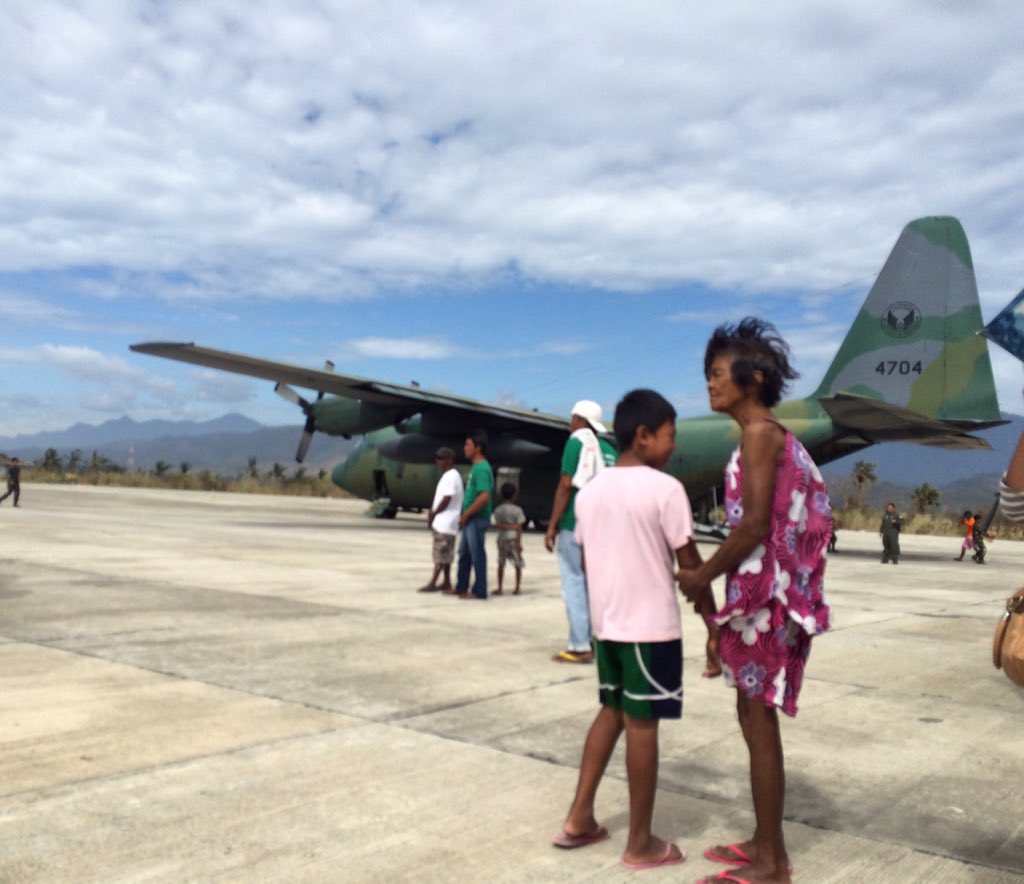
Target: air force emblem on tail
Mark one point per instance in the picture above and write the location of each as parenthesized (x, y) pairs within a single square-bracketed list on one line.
[(901, 319)]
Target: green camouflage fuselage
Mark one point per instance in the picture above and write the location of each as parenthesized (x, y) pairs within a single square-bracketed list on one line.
[(703, 446)]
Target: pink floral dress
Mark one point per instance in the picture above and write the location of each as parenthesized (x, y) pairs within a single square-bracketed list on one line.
[(774, 603)]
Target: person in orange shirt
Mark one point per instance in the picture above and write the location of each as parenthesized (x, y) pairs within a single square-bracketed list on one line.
[(967, 520)]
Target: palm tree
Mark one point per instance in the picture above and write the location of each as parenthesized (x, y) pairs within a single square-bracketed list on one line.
[(925, 497), (863, 475), (51, 461)]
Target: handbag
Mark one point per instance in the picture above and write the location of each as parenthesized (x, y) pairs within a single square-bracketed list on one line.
[(1008, 644)]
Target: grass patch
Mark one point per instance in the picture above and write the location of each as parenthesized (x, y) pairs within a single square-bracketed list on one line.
[(297, 486), (938, 524)]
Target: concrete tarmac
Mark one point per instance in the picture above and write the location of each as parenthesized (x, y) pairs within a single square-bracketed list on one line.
[(221, 687)]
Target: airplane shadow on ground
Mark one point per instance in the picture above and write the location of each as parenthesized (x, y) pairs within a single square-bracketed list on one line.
[(8, 594), (968, 841), (812, 803)]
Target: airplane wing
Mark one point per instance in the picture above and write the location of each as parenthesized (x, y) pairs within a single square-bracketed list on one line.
[(878, 421), (409, 399)]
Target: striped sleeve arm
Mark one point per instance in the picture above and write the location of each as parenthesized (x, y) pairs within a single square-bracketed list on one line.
[(1011, 502)]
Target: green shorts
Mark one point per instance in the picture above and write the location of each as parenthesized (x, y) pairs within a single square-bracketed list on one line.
[(643, 679)]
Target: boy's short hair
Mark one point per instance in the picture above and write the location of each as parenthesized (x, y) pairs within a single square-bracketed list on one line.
[(508, 490), (755, 345), (640, 408), (479, 438)]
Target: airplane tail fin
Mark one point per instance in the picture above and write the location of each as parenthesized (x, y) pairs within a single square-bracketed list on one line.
[(913, 366)]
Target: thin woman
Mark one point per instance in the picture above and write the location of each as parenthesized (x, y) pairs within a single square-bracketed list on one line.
[(774, 558)]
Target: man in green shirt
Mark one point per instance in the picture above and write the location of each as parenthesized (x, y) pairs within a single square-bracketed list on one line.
[(477, 506), (584, 456)]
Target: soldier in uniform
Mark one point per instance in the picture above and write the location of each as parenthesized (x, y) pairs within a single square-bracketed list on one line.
[(889, 531)]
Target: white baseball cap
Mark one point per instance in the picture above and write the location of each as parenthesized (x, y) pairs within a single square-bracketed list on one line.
[(591, 412)]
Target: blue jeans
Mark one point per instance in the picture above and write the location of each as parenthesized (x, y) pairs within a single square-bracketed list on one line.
[(574, 591), (473, 553)]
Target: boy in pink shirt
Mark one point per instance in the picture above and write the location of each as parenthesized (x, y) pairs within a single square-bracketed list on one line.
[(635, 526)]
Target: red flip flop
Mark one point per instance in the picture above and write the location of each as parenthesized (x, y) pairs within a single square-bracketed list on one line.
[(724, 875), (569, 842), (666, 859), (739, 855), (738, 859)]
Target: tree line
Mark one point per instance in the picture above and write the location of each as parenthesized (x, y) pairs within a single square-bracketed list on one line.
[(52, 462), (75, 462), (926, 497)]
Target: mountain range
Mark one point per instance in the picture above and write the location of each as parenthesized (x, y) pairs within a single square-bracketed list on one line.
[(966, 479), (225, 444)]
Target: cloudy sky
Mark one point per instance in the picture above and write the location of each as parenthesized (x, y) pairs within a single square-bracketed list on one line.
[(528, 202)]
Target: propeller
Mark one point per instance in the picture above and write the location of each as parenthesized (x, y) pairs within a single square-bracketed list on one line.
[(286, 392)]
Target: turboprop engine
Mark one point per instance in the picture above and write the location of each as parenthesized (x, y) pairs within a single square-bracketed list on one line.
[(338, 416)]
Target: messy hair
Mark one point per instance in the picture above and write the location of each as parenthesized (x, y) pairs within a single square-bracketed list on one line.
[(755, 345)]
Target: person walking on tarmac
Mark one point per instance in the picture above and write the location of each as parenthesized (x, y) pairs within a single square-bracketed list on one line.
[(13, 481), (980, 535), (889, 531), (967, 520)]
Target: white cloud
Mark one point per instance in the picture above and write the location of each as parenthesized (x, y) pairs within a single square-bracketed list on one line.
[(225, 389), (511, 399), (82, 367), (399, 348), (565, 347), (215, 155), (617, 146), (438, 349), (17, 309), (81, 362)]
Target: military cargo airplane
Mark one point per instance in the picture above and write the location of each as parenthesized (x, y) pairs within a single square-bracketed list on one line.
[(911, 368)]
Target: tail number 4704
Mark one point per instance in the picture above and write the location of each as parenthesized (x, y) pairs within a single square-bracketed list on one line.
[(893, 366)]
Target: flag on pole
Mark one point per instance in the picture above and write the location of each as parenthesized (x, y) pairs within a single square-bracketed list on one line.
[(1007, 329)]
